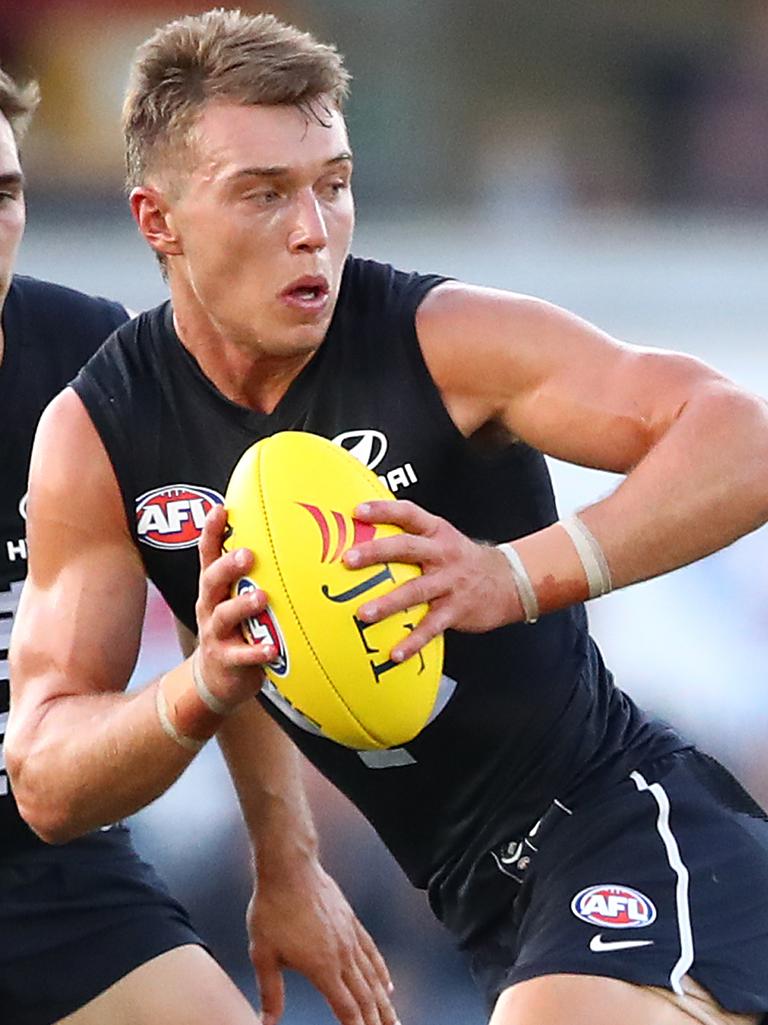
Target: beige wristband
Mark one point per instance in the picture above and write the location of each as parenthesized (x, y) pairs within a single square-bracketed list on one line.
[(188, 743), (592, 556), (523, 582), (207, 696)]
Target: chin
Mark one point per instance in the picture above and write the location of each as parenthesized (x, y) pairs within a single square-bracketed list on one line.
[(308, 337)]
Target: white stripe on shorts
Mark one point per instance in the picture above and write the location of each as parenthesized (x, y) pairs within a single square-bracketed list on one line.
[(681, 890)]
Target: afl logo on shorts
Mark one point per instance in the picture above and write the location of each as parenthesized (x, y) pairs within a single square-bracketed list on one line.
[(173, 516), (263, 627), (613, 907)]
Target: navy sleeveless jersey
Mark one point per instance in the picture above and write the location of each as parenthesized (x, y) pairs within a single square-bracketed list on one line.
[(49, 333), (526, 712)]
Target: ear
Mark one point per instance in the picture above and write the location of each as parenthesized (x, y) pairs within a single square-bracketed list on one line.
[(155, 220)]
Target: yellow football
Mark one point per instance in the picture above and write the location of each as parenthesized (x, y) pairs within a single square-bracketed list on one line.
[(290, 500)]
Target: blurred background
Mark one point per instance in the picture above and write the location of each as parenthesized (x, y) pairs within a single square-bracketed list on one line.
[(609, 157)]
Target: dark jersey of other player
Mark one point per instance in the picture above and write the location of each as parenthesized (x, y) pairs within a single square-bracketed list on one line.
[(49, 332), (526, 713)]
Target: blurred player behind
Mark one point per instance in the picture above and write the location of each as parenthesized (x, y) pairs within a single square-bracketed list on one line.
[(88, 924)]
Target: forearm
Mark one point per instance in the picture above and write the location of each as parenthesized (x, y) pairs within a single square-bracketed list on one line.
[(702, 485), (80, 761), (266, 769)]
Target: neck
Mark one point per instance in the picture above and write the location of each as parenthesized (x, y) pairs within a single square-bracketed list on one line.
[(241, 371)]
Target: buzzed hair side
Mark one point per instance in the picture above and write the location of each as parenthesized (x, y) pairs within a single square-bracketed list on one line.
[(220, 55)]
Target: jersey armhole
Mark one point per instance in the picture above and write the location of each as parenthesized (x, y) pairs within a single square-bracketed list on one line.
[(413, 352), (97, 406)]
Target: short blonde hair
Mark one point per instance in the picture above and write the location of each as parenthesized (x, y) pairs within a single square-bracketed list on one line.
[(226, 55), (18, 103)]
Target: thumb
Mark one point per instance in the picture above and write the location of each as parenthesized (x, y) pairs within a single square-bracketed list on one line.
[(271, 988)]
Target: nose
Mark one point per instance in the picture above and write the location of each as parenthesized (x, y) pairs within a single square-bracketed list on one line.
[(308, 233)]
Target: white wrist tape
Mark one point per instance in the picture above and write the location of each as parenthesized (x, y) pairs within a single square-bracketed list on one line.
[(207, 697), (188, 743), (591, 555), (525, 589)]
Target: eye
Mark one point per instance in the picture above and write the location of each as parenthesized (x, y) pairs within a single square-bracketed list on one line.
[(336, 187), (263, 197)]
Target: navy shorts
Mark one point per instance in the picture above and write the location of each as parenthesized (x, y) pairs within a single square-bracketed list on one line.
[(662, 875), (77, 918)]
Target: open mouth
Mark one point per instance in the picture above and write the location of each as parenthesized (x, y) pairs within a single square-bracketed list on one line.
[(310, 293)]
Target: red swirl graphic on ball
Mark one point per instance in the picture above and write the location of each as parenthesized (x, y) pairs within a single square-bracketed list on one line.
[(347, 531)]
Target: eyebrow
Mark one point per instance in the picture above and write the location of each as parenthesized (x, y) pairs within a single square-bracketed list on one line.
[(278, 171), (12, 178)]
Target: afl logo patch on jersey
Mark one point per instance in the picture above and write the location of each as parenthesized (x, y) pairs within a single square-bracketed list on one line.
[(612, 906), (264, 627), (173, 516)]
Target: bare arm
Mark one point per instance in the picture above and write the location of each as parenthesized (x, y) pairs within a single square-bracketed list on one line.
[(297, 917), (82, 753), (693, 447), (79, 750)]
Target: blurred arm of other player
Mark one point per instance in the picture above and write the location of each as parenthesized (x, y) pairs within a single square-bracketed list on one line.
[(80, 752), (693, 446), (298, 917)]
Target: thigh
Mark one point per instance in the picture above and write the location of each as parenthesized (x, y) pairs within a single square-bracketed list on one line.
[(77, 919), (653, 880), (599, 1001), (184, 986)]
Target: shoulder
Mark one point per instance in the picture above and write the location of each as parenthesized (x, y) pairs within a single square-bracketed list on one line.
[(372, 285), (65, 436), (49, 297), (494, 327), (130, 345), (130, 367), (483, 346), (62, 323)]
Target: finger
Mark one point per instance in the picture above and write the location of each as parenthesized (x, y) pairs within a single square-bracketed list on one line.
[(413, 548), (230, 613), (374, 980), (212, 536), (271, 988), (367, 994), (217, 578), (373, 954), (436, 622), (420, 591), (399, 512), (342, 1002)]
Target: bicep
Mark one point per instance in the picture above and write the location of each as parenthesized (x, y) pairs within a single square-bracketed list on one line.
[(551, 378), (81, 611)]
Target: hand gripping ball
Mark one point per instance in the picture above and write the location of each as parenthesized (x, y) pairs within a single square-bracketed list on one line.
[(290, 500)]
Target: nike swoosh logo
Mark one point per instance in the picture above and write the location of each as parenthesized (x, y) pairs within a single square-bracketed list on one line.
[(597, 944)]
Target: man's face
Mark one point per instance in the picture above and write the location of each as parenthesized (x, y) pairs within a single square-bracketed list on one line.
[(11, 205), (264, 222)]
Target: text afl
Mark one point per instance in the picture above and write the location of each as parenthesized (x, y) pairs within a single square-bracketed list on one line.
[(173, 516), (613, 907)]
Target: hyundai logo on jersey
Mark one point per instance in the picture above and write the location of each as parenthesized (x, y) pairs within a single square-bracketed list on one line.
[(613, 906), (173, 516), (368, 446), (264, 627)]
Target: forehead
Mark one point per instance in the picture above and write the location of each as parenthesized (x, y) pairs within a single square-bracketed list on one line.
[(228, 136), (9, 154)]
